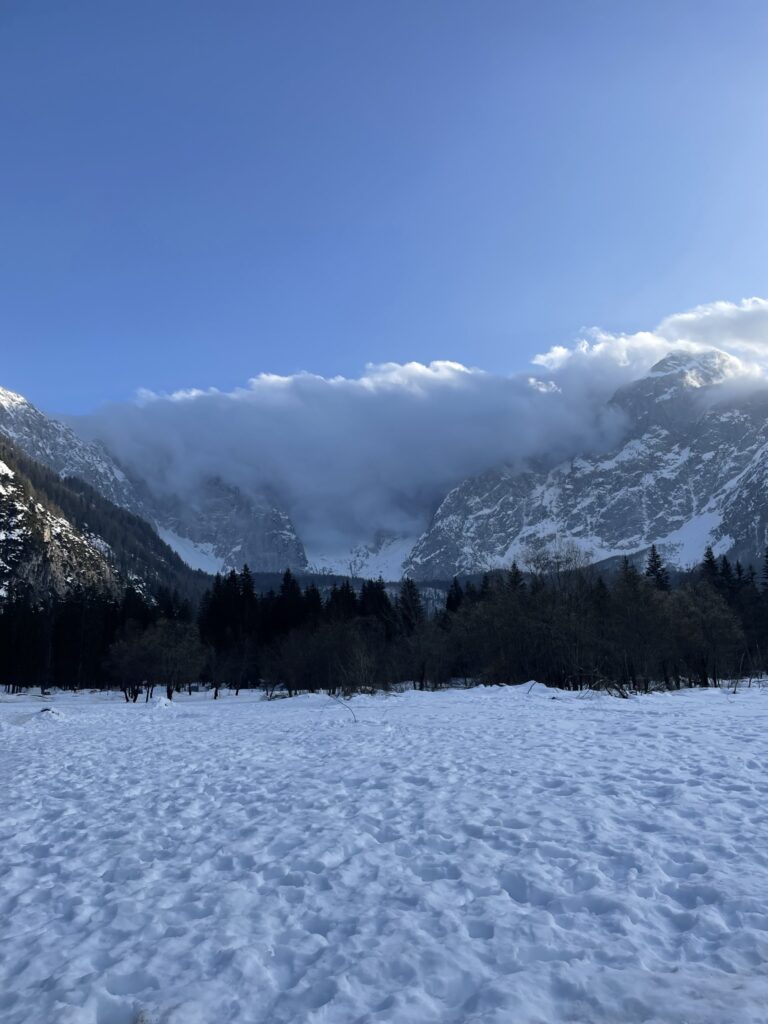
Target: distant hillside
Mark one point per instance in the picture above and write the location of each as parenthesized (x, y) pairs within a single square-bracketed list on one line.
[(57, 533)]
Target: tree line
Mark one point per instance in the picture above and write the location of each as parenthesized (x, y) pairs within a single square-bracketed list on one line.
[(561, 622)]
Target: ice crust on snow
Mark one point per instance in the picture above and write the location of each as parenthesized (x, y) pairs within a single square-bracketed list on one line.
[(486, 856)]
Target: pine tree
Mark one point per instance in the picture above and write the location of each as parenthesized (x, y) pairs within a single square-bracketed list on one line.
[(409, 606), (656, 571), (313, 605), (727, 585), (248, 602), (515, 579), (601, 597), (374, 600), (247, 589), (628, 574), (709, 570), (289, 604), (342, 604), (454, 596)]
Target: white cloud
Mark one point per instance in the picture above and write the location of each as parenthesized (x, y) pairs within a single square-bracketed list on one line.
[(740, 329), (737, 328), (347, 456)]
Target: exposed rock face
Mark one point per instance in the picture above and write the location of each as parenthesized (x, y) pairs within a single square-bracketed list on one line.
[(214, 526), (692, 470), (230, 529), (41, 553), (55, 445)]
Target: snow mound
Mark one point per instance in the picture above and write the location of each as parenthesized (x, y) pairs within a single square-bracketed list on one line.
[(534, 689), (163, 704), (45, 717)]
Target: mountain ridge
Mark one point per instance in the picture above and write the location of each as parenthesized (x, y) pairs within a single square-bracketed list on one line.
[(215, 524), (690, 469), (127, 549)]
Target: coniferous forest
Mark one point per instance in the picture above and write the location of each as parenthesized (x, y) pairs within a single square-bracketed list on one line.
[(562, 623)]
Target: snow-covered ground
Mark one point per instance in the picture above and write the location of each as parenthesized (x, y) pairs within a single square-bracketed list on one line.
[(197, 556), (471, 856)]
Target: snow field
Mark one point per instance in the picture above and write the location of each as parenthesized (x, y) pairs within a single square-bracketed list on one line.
[(491, 855)]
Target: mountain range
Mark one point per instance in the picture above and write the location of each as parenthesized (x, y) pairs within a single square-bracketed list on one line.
[(214, 528), (690, 469)]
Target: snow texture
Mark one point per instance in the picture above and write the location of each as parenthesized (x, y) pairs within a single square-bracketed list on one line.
[(487, 856), (691, 471), (384, 556), (197, 556)]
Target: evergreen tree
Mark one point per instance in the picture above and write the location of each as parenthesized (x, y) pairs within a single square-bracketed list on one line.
[(409, 607), (454, 597), (727, 581), (313, 605), (709, 570), (374, 599), (764, 578), (656, 571), (289, 604), (249, 605), (515, 579), (628, 574), (342, 604)]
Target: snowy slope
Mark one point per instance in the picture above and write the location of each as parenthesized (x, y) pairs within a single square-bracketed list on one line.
[(41, 553), (212, 526), (471, 857), (56, 445), (196, 556), (215, 523), (691, 470), (385, 556)]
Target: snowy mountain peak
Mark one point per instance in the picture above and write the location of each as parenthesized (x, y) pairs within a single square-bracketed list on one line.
[(696, 369), (56, 445), (690, 470), (10, 400), (672, 391)]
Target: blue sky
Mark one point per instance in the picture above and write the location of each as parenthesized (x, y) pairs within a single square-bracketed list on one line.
[(195, 192)]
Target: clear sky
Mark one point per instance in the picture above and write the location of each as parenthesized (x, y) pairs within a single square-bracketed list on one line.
[(193, 192)]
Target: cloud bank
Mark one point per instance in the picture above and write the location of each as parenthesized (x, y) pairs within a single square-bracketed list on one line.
[(350, 456)]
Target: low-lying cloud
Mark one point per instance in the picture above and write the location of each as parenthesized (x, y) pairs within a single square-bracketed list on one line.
[(349, 456)]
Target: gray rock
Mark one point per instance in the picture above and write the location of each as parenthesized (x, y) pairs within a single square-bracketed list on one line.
[(692, 469), (212, 525)]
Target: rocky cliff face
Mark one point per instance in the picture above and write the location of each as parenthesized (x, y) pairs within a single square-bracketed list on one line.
[(692, 469), (41, 553), (213, 526), (220, 528), (55, 445)]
